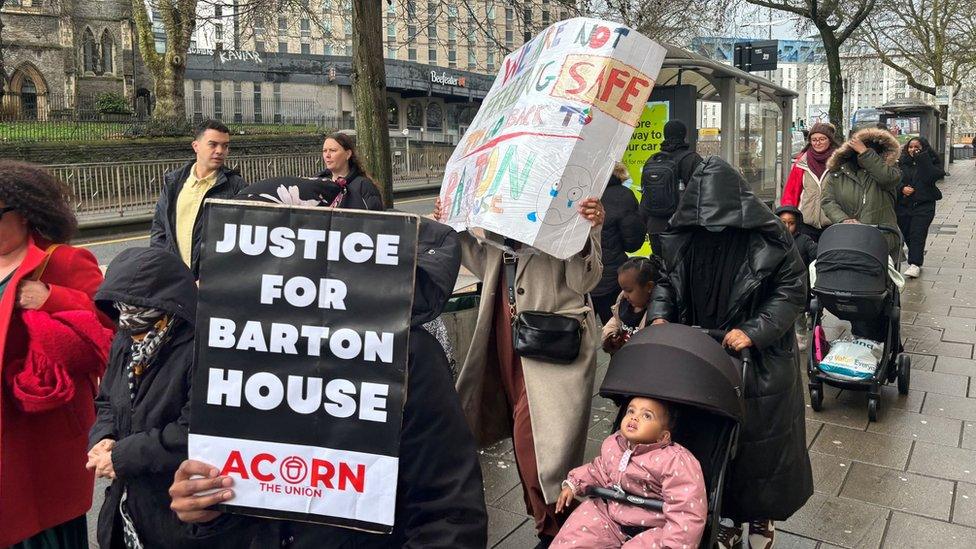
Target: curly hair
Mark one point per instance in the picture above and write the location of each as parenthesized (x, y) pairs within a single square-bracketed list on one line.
[(40, 197)]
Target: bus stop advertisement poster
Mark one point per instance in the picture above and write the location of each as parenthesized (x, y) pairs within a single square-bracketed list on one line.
[(560, 113), (301, 360)]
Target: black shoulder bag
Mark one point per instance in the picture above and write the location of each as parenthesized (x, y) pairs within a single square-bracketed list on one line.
[(539, 335)]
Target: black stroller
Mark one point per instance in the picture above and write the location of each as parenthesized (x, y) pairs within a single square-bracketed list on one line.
[(853, 284), (687, 367)]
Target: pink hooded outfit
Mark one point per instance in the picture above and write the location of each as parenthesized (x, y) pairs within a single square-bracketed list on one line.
[(665, 471)]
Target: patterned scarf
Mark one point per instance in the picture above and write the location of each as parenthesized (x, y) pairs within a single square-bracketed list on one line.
[(149, 328)]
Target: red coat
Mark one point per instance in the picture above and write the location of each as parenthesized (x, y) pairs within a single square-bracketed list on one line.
[(43, 480)]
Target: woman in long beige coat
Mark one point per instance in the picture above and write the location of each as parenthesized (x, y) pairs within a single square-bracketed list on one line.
[(543, 407)]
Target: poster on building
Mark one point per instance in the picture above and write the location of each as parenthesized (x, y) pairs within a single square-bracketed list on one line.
[(645, 143), (561, 111), (298, 390)]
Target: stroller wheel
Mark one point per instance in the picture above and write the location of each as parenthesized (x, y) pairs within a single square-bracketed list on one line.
[(816, 399), (873, 404), (904, 373)]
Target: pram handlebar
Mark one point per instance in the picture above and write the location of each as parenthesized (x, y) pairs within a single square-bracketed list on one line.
[(623, 497), (719, 336)]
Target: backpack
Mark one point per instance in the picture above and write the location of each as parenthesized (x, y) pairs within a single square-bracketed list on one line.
[(661, 184)]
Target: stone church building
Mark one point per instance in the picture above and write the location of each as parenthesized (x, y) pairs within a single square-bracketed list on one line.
[(61, 54)]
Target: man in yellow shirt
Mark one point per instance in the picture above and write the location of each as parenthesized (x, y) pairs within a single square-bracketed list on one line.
[(177, 223)]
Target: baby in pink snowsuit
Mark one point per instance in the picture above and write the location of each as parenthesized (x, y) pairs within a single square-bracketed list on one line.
[(640, 459)]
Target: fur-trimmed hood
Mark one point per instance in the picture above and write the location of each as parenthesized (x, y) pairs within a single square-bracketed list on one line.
[(881, 141)]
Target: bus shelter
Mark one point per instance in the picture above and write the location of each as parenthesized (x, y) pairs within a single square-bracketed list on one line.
[(907, 118), (754, 116)]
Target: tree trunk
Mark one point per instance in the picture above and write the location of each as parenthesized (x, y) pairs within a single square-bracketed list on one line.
[(836, 78), (369, 95), (170, 106), (3, 69)]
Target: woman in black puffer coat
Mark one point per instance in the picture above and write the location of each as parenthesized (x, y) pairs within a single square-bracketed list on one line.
[(920, 167), (623, 231), (731, 265)]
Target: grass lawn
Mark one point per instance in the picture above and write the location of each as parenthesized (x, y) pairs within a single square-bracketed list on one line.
[(12, 132)]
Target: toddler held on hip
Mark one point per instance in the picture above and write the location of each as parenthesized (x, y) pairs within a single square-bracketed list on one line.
[(639, 459)]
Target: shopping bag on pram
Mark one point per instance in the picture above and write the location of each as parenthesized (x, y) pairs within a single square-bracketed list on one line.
[(852, 359)]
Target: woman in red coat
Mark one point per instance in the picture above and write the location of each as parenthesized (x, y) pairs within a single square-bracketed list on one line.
[(53, 346)]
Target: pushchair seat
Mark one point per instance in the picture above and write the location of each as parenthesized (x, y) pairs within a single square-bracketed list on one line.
[(852, 279)]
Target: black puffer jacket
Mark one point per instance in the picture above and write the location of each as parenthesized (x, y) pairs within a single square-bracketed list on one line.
[(162, 234), (622, 232), (151, 432), (770, 477), (920, 172), (804, 244), (361, 192), (440, 496)]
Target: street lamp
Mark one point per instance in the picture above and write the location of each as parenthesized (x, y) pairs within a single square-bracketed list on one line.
[(406, 134)]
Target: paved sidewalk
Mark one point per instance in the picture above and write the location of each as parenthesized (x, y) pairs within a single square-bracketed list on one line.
[(908, 480)]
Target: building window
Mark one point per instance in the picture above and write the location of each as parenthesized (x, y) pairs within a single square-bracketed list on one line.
[(452, 15), (218, 100), (472, 53), (282, 47), (197, 101), (257, 103), (238, 104), (306, 28), (89, 52), (306, 48), (491, 55), (277, 102), (259, 46), (431, 32), (392, 113), (435, 116), (527, 24), (391, 38), (108, 66), (347, 24), (282, 26), (411, 30), (415, 115), (509, 28)]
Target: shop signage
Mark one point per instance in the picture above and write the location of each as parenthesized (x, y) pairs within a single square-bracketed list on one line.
[(447, 80)]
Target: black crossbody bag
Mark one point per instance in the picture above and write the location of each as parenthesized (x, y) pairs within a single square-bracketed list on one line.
[(539, 335)]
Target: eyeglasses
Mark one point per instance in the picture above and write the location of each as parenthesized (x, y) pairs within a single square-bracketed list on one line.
[(6, 209), (819, 140)]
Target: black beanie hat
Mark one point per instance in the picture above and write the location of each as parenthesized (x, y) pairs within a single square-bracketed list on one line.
[(675, 130)]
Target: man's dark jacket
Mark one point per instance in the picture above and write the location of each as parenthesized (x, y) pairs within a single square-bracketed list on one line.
[(163, 231)]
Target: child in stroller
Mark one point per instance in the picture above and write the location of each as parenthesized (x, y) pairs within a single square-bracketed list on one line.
[(641, 459), (685, 371)]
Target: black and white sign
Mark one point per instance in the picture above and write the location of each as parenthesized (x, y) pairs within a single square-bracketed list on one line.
[(301, 349)]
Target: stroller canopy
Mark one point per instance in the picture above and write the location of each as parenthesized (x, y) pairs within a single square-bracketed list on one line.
[(852, 258), (678, 364)]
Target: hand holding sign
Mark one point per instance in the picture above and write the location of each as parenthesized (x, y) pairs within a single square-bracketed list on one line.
[(197, 487)]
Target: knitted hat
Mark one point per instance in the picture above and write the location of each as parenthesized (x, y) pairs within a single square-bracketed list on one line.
[(826, 129)]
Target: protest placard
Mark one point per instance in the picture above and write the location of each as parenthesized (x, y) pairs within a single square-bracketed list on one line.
[(298, 388), (559, 114)]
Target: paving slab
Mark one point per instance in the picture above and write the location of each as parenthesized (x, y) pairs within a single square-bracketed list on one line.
[(922, 427), (950, 406), (964, 510), (863, 446), (501, 523), (923, 362), (938, 382), (839, 521), (968, 435), (899, 490), (943, 462), (914, 532), (829, 472), (953, 365)]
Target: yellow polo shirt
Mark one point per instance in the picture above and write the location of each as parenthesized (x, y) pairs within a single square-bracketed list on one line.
[(187, 207)]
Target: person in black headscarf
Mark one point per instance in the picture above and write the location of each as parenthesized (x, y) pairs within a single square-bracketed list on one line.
[(730, 264), (675, 146)]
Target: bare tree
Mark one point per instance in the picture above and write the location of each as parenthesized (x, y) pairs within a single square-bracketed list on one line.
[(369, 94), (929, 42), (675, 22), (178, 18), (836, 22), (3, 68)]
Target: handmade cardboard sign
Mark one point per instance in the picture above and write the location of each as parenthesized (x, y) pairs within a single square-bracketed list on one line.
[(560, 113), (298, 389)]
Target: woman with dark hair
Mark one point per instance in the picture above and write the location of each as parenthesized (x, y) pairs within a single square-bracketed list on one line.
[(343, 166), (622, 232), (732, 266), (53, 346), (804, 187), (920, 167)]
